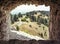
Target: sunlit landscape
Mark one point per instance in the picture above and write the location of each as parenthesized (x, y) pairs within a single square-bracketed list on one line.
[(35, 22)]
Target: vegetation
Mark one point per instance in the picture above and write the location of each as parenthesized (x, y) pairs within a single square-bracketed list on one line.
[(15, 18), (17, 28), (19, 15), (24, 19), (26, 16), (33, 23), (30, 26), (41, 35)]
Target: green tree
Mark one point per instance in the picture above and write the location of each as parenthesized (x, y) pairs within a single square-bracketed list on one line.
[(45, 20), (15, 17), (19, 15), (45, 34)]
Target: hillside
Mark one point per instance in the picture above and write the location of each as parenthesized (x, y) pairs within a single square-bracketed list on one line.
[(34, 23)]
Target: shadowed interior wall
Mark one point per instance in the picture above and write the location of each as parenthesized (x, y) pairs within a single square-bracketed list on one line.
[(55, 22)]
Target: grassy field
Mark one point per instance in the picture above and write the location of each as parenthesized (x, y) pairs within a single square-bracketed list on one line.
[(34, 29)]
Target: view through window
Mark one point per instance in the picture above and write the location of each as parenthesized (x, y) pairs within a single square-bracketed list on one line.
[(31, 21)]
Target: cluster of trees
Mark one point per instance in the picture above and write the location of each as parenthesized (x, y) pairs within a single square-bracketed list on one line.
[(39, 19), (14, 17), (33, 18), (43, 21)]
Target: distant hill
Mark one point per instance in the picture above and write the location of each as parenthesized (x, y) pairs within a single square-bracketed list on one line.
[(34, 12), (42, 12)]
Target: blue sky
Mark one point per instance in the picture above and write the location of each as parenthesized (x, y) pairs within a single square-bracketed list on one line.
[(27, 8)]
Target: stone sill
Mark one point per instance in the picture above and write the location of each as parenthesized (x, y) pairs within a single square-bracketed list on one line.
[(15, 41)]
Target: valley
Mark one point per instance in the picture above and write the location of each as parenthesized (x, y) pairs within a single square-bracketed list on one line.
[(34, 23)]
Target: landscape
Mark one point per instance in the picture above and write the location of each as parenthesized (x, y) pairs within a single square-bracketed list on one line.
[(35, 23)]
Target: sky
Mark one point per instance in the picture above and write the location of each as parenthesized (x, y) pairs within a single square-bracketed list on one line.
[(27, 8)]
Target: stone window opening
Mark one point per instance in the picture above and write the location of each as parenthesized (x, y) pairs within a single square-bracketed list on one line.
[(44, 33)]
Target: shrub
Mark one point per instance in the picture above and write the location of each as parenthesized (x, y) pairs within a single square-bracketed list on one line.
[(45, 33), (39, 25), (30, 26), (26, 16), (41, 35), (43, 27), (24, 19), (17, 28)]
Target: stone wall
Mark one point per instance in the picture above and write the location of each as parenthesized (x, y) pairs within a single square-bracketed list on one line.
[(30, 42), (54, 22), (4, 25)]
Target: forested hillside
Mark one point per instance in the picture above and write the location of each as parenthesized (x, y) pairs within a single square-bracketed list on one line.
[(35, 23)]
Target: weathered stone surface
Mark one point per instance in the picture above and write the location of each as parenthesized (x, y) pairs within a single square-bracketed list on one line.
[(55, 22), (4, 26), (15, 41)]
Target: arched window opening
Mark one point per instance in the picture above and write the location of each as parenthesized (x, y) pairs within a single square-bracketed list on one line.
[(30, 22)]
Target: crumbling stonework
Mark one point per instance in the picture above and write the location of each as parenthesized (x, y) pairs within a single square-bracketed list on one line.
[(8, 5), (55, 22), (4, 25)]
